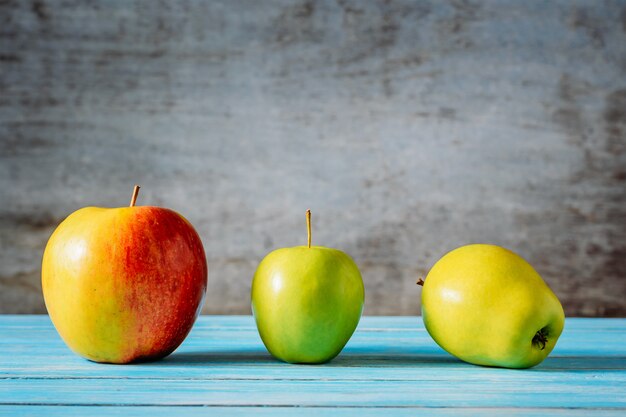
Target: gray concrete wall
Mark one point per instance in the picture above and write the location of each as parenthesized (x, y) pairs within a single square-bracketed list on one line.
[(409, 128)]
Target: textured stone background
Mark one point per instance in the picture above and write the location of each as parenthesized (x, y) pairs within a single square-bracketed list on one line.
[(409, 128)]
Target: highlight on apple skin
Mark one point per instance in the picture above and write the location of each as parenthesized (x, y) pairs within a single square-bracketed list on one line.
[(124, 284)]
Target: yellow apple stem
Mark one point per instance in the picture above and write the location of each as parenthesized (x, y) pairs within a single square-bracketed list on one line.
[(133, 199), (420, 282), (308, 227)]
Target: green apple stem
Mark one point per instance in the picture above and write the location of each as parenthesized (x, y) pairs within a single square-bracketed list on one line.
[(308, 227), (420, 282), (133, 199)]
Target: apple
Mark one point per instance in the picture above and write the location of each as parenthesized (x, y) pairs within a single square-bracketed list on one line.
[(124, 284), (307, 301), (487, 306)]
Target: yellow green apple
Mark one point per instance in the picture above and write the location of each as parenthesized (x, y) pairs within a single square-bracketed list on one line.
[(487, 306), (307, 302), (124, 284)]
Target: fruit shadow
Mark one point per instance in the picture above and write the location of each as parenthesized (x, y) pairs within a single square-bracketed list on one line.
[(348, 359), (218, 357), (578, 364), (393, 360)]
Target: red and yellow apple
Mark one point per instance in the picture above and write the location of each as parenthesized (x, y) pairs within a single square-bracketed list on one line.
[(124, 284)]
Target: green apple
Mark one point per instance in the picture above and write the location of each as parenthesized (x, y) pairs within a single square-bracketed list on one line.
[(487, 306), (307, 302)]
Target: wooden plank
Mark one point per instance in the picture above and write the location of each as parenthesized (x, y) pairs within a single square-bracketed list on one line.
[(605, 339), (239, 362), (143, 411), (585, 392), (412, 369)]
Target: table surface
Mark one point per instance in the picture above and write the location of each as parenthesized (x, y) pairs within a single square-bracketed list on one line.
[(390, 367)]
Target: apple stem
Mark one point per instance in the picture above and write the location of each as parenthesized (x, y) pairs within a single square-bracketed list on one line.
[(133, 199), (308, 227), (420, 282)]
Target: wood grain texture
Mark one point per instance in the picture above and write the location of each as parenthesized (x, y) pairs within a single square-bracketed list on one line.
[(390, 366), (409, 128)]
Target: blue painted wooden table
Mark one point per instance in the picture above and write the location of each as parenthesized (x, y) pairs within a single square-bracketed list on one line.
[(390, 367)]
